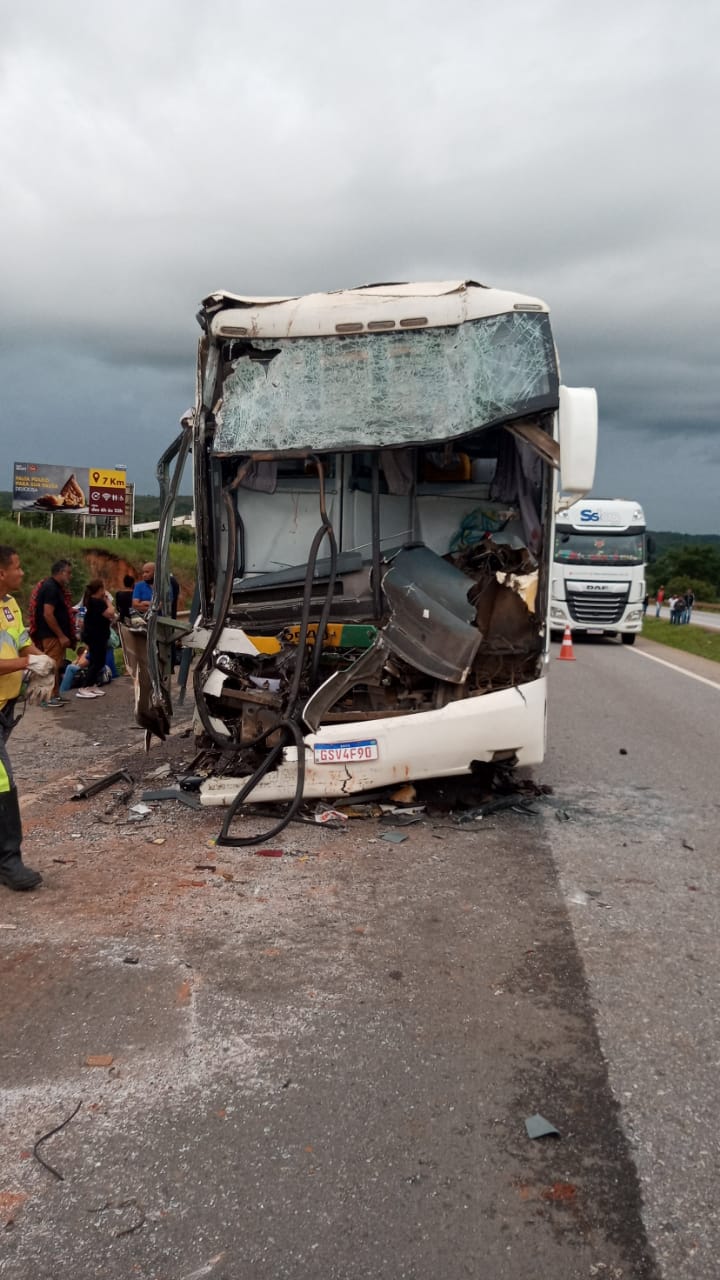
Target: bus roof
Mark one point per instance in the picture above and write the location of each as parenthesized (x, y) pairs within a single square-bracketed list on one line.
[(369, 308)]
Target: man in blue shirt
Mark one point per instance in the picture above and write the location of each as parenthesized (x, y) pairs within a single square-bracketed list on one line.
[(143, 590)]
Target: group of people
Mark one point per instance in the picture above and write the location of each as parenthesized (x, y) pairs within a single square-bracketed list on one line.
[(681, 606), (54, 624), (41, 649)]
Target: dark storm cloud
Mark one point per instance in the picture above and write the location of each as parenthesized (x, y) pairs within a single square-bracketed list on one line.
[(153, 154)]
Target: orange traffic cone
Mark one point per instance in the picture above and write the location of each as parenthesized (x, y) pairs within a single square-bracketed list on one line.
[(566, 649)]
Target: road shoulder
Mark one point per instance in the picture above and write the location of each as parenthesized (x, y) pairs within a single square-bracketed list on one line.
[(690, 662)]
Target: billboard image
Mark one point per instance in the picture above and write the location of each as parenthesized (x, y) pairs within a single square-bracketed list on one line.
[(81, 491)]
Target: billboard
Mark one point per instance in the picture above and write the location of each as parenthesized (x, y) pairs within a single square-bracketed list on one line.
[(80, 491)]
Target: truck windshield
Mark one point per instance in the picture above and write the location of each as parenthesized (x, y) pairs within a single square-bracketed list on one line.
[(608, 548)]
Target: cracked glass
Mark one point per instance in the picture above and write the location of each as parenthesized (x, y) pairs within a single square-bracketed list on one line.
[(377, 390)]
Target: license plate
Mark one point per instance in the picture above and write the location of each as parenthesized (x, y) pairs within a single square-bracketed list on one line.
[(594, 631), (346, 752)]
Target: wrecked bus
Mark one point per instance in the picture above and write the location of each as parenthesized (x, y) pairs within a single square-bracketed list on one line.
[(375, 484)]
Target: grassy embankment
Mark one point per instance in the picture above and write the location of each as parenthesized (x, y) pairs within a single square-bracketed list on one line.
[(108, 558), (689, 638)]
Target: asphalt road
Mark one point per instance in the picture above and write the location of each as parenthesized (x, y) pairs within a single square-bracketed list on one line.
[(322, 1063), (634, 750)]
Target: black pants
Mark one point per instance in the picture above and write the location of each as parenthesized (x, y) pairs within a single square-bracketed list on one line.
[(7, 724), (97, 649)]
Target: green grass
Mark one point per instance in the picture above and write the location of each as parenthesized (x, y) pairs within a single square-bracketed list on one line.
[(689, 638), (38, 549)]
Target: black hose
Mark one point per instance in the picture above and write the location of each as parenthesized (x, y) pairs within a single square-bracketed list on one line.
[(327, 605), (375, 534), (291, 728), (289, 725), (221, 613)]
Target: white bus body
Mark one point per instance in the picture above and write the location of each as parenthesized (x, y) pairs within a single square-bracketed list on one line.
[(598, 576), (403, 441)]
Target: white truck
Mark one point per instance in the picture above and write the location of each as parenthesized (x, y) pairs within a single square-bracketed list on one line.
[(598, 575)]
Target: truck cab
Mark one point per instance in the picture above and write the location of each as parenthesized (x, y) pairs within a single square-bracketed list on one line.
[(598, 573)]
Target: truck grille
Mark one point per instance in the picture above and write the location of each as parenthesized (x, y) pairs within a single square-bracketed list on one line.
[(597, 610)]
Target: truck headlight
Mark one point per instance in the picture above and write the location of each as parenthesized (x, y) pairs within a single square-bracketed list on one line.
[(557, 613)]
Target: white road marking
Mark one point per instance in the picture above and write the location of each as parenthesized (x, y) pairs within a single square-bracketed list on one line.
[(714, 684)]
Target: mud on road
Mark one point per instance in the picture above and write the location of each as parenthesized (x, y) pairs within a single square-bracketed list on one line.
[(320, 1063)]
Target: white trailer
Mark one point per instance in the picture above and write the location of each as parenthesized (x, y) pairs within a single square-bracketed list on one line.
[(598, 575)]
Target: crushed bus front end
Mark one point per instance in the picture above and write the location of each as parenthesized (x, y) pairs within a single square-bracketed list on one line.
[(374, 492)]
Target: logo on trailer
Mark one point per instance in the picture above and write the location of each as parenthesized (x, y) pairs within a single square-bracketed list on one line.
[(588, 516)]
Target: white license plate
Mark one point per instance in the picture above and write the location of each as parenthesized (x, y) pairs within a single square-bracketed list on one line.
[(346, 752), (594, 631)]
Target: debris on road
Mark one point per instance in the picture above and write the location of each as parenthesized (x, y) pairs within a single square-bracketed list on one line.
[(393, 837), (92, 789), (206, 1269), (173, 793), (324, 814), (55, 1172), (99, 1060), (118, 1208), (538, 1127)]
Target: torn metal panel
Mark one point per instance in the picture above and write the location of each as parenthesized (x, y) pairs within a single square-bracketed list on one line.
[(230, 640), (539, 440), (525, 584), (444, 303), (430, 624)]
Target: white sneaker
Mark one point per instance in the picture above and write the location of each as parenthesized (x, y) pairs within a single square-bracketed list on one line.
[(85, 693), (97, 693)]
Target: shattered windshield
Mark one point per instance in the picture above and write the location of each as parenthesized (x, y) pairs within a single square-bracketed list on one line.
[(609, 548), (384, 389)]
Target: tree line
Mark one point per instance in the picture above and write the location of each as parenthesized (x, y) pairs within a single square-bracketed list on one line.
[(688, 565)]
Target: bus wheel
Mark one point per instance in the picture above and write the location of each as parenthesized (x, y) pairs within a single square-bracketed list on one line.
[(628, 637)]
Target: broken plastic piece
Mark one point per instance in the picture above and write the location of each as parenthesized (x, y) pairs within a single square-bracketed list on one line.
[(324, 814), (394, 837), (174, 793), (92, 789), (538, 1127)]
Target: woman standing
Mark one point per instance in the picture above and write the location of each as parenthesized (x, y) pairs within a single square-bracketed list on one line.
[(99, 614)]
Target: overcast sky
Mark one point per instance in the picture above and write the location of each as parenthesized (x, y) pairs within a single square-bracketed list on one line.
[(151, 153)]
